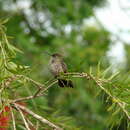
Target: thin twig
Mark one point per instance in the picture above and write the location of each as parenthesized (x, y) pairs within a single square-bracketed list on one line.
[(37, 125), (34, 96), (39, 85), (13, 119), (31, 124), (26, 98), (40, 89), (45, 89), (37, 92), (24, 120), (38, 117)]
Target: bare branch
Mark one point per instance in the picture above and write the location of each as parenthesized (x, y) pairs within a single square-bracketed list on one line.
[(31, 124), (26, 98), (37, 125), (13, 119), (45, 89), (38, 117), (39, 85), (38, 94), (24, 120)]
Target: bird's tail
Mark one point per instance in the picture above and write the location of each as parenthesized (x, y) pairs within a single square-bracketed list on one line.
[(65, 83)]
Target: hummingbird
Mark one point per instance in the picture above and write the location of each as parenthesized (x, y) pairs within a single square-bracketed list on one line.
[(58, 66)]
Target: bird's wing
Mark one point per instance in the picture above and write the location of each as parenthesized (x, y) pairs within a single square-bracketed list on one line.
[(64, 66)]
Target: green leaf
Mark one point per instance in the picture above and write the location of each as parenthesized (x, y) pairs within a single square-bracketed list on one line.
[(4, 21), (90, 70), (113, 76), (111, 107), (106, 71), (116, 112), (98, 69)]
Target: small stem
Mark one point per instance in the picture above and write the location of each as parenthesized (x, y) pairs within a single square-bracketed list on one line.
[(36, 95), (24, 120), (13, 119)]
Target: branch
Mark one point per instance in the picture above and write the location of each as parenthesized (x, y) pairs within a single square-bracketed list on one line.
[(99, 83), (120, 103), (13, 119), (31, 124), (44, 89), (24, 120), (38, 94), (39, 85), (38, 117)]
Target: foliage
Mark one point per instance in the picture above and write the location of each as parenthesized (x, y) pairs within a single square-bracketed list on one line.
[(13, 81), (127, 48), (99, 102)]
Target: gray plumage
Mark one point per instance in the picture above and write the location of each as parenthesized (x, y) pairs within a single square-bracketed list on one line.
[(58, 66)]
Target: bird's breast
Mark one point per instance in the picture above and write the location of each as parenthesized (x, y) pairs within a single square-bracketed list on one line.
[(56, 68)]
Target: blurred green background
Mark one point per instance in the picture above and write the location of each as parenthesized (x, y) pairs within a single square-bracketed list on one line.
[(58, 26)]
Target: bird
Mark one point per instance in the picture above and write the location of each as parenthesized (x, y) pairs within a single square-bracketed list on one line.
[(58, 66)]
